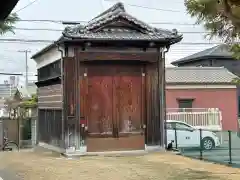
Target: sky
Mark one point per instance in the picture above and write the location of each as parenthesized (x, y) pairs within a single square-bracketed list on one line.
[(169, 14)]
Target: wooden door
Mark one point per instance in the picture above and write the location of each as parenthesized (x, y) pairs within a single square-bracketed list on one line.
[(100, 115), (115, 108), (129, 103)]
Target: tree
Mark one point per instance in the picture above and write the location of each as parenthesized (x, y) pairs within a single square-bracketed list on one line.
[(30, 103), (220, 17), (8, 24)]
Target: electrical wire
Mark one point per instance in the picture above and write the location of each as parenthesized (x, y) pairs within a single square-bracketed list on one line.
[(10, 61), (38, 29), (61, 21), (31, 3), (51, 41), (146, 7), (48, 21), (15, 74), (60, 30), (27, 40)]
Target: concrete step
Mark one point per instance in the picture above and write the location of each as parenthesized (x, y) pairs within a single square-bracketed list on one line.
[(46, 152)]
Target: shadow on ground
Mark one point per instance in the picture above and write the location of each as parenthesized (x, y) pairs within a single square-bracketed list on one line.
[(194, 175)]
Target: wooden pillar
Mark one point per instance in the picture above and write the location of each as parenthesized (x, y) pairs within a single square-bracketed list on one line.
[(159, 95)]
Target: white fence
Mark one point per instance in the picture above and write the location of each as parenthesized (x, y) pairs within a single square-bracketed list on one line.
[(210, 119)]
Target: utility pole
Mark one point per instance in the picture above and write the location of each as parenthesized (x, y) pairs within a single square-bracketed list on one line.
[(26, 65)]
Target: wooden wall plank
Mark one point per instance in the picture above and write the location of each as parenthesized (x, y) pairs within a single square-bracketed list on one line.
[(50, 96)]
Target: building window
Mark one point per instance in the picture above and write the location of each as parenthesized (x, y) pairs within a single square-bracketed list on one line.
[(49, 71), (185, 104)]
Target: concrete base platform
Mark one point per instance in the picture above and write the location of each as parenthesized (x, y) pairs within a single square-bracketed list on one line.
[(43, 150), (147, 150), (50, 150)]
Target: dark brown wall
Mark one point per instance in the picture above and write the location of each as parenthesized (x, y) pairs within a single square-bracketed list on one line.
[(72, 80), (77, 87), (50, 97), (50, 126), (153, 130)]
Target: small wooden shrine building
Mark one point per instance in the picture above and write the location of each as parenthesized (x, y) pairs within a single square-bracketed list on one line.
[(101, 85)]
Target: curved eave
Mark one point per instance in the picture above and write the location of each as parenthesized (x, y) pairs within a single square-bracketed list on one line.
[(175, 40), (163, 41)]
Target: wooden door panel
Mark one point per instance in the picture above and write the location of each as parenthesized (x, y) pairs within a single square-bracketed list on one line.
[(100, 113), (129, 107), (83, 97)]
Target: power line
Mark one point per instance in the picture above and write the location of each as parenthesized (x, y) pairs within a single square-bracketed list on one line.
[(61, 21), (9, 61), (26, 43), (60, 30), (49, 21), (27, 40), (146, 7), (14, 74), (26, 6), (38, 29), (52, 41), (158, 9)]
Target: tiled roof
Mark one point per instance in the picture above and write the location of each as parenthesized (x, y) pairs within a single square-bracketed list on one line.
[(216, 51), (95, 29), (199, 75)]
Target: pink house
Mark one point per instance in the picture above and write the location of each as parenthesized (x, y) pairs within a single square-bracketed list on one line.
[(203, 87)]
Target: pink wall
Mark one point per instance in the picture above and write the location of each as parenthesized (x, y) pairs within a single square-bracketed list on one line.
[(224, 99)]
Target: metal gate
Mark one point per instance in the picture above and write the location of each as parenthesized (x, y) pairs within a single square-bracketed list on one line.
[(208, 119)]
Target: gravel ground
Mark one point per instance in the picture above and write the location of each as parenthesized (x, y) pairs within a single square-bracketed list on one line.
[(164, 166)]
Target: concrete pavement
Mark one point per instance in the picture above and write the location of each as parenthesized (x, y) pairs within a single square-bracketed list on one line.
[(6, 174)]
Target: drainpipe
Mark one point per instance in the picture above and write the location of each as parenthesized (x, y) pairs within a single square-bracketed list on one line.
[(163, 97), (62, 86)]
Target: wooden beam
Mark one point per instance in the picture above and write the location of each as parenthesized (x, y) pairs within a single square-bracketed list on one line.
[(125, 56)]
